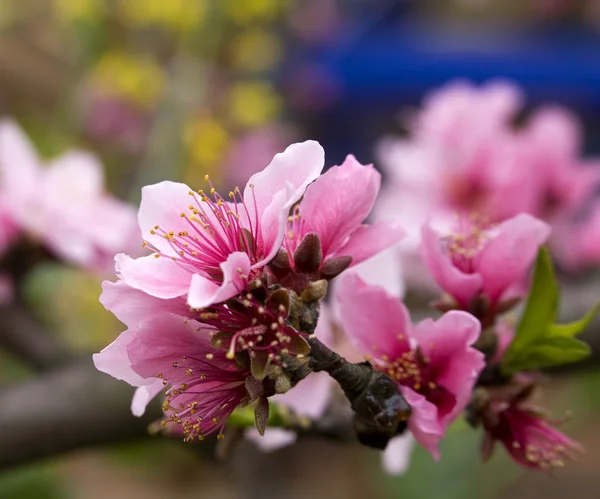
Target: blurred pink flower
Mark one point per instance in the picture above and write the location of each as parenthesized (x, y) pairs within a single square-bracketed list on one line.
[(577, 244), (475, 259), (552, 141), (334, 209), (9, 230), (528, 436), (252, 151), (63, 205), (464, 154), (205, 387), (211, 247), (432, 361), (115, 120)]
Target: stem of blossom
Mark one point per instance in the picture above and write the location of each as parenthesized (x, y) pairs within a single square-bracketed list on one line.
[(380, 410)]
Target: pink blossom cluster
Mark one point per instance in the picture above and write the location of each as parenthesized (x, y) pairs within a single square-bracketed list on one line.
[(222, 312), (61, 206), (219, 263), (465, 154), (483, 269)]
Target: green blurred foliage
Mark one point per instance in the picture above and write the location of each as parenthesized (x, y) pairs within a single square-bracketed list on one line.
[(539, 343), (66, 299), (38, 482)]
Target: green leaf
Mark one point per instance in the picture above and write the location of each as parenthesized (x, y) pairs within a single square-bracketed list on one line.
[(538, 342), (541, 307), (574, 328), (551, 351)]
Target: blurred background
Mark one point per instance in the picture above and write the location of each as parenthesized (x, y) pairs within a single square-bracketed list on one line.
[(176, 89)]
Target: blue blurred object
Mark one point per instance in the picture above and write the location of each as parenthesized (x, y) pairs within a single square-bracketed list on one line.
[(392, 65), (383, 66)]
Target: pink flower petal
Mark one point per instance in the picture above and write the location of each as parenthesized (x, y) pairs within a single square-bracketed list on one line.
[(368, 240), (162, 205), (19, 167), (396, 456), (446, 343), (204, 292), (506, 258), (143, 395), (324, 331), (114, 360), (557, 134), (272, 440), (377, 322), (158, 343), (310, 397), (75, 176), (281, 184), (298, 165), (460, 285), (423, 423), (339, 201), (132, 306), (384, 269), (273, 223), (159, 277)]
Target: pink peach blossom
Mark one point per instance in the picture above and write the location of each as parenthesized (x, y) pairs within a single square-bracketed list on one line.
[(528, 436), (464, 154), (207, 248), (334, 209), (433, 361), (242, 324), (460, 155), (204, 386), (475, 258), (63, 204)]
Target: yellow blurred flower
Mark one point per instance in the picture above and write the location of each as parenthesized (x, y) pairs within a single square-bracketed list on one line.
[(255, 50), (177, 15), (206, 141), (253, 103), (79, 10), (249, 11), (7, 14), (135, 78)]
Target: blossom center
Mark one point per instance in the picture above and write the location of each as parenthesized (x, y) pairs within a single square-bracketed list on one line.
[(216, 228), (296, 230), (201, 397), (246, 325), (533, 440), (470, 236), (411, 369)]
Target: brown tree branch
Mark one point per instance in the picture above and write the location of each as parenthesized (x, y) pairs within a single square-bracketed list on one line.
[(76, 406), (71, 408), (22, 336)]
